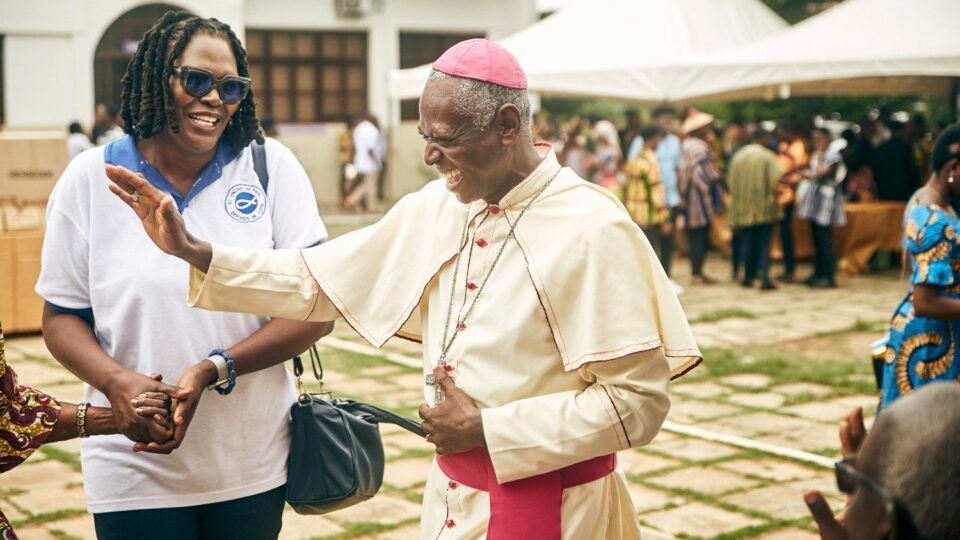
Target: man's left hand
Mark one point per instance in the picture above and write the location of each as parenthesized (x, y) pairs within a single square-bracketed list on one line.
[(455, 425)]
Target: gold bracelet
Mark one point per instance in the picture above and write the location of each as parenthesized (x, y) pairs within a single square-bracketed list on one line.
[(82, 420)]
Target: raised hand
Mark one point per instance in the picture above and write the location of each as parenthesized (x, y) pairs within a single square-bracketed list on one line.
[(160, 217), (455, 425), (156, 209), (852, 432)]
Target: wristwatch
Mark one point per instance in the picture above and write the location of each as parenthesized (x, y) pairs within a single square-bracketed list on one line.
[(223, 372), (226, 374)]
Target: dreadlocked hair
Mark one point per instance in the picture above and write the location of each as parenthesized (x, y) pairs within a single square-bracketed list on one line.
[(146, 99)]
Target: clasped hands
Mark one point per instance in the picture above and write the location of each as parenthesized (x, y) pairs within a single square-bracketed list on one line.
[(455, 425), (155, 415)]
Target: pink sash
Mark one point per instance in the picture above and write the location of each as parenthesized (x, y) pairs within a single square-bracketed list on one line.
[(526, 509)]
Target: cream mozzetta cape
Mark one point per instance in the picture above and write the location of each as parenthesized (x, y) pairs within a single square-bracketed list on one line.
[(602, 288)]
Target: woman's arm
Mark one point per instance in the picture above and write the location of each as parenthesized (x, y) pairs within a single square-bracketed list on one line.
[(275, 342), (71, 341), (927, 302), (99, 421)]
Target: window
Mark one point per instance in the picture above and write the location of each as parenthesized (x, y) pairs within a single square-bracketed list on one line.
[(308, 76), (417, 49)]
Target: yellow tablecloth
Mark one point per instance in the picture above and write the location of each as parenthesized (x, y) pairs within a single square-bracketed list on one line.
[(871, 226)]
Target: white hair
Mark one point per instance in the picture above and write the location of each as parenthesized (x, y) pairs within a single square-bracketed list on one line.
[(480, 100)]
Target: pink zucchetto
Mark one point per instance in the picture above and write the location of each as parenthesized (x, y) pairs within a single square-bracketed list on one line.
[(482, 60)]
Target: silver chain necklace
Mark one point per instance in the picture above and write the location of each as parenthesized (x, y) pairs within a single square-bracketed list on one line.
[(445, 344)]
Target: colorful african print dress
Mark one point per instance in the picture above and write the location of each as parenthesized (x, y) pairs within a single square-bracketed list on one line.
[(921, 350), (26, 420)]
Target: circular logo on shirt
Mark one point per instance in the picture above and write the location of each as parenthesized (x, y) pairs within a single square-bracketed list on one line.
[(245, 203)]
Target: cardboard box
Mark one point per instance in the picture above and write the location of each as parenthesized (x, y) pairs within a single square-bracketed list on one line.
[(22, 216), (21, 309), (31, 163)]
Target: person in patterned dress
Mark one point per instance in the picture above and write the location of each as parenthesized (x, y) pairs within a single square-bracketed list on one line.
[(30, 418), (699, 181), (644, 195), (922, 343)]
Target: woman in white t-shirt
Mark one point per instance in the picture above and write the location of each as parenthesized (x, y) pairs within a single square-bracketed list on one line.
[(116, 305)]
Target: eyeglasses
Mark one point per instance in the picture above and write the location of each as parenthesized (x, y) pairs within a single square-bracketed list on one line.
[(848, 478), (199, 82)]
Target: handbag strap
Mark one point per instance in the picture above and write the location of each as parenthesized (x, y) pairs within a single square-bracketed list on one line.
[(382, 415), (317, 370), (260, 164), (375, 413), (314, 363)]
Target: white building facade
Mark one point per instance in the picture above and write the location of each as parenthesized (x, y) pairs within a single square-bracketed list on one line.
[(314, 62)]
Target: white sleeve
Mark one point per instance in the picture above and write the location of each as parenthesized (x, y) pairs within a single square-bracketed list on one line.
[(624, 407), (64, 261), (269, 282), (293, 204)]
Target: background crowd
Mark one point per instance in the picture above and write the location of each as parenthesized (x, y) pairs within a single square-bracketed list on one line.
[(736, 186)]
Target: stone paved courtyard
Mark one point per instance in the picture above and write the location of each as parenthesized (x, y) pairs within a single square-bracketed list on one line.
[(781, 368)]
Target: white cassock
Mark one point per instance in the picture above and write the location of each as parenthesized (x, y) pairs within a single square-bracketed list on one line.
[(568, 352)]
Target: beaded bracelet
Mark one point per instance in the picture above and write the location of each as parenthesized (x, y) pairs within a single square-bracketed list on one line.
[(226, 387), (82, 420)]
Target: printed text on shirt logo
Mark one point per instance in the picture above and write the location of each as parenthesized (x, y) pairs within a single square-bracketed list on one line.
[(245, 203)]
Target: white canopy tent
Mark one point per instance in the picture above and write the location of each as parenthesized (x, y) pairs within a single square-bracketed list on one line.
[(622, 49), (877, 47)]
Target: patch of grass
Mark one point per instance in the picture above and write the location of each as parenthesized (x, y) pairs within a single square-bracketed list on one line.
[(50, 516), (687, 463), (412, 453), (784, 367), (806, 397), (57, 382), (354, 530), (829, 452), (27, 355), (409, 495), (859, 325), (721, 314), (11, 492), (756, 530), (692, 495), (63, 535), (347, 362), (757, 454), (62, 456)]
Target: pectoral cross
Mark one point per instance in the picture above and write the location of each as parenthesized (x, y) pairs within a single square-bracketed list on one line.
[(437, 392)]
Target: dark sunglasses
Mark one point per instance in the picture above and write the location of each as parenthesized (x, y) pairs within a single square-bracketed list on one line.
[(199, 82), (848, 478)]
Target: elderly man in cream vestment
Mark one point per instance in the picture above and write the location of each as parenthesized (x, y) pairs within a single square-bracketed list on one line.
[(549, 328)]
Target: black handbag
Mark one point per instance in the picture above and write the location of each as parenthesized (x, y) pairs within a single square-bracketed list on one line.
[(336, 455)]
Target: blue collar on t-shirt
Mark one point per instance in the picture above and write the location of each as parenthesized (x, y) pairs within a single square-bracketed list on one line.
[(124, 152)]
